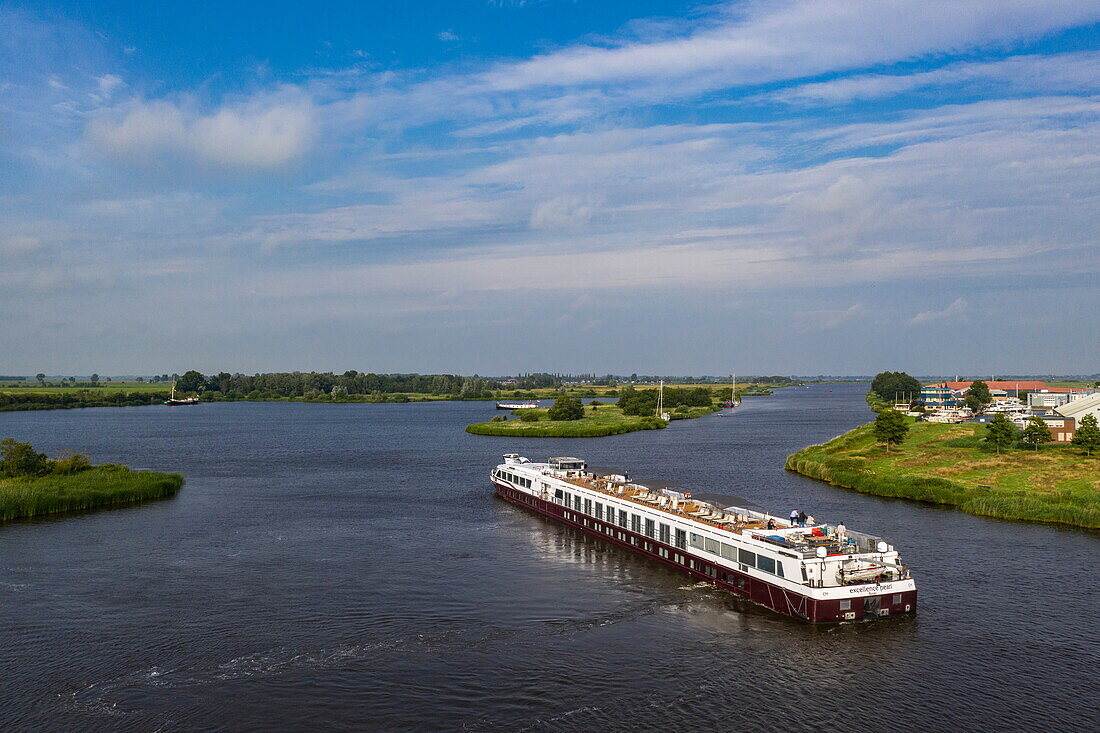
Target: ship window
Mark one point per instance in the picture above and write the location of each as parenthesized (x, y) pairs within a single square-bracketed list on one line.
[(649, 527), (622, 517), (559, 494), (729, 551), (804, 578), (577, 502), (587, 506), (767, 564), (713, 546), (846, 605), (599, 510), (897, 598), (746, 557), (779, 568), (635, 523), (665, 533), (681, 538)]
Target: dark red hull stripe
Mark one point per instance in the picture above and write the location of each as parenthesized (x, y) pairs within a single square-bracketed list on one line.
[(781, 600)]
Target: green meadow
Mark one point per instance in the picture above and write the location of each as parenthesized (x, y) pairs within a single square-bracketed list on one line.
[(949, 464)]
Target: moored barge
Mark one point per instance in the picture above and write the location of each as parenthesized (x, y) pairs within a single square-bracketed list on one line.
[(818, 574)]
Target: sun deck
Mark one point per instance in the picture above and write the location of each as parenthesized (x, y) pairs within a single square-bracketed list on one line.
[(688, 508), (807, 541)]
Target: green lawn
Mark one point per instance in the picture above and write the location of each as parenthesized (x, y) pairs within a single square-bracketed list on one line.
[(947, 464)]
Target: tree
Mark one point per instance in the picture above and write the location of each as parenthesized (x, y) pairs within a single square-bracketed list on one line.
[(40, 377), (890, 428), (1036, 432), (1001, 433), (1087, 435), (191, 381), (973, 403), (95, 379), (980, 389), (20, 459), (891, 385), (566, 408)]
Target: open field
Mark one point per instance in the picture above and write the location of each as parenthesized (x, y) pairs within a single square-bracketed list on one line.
[(597, 422), (32, 387), (98, 487), (946, 464)]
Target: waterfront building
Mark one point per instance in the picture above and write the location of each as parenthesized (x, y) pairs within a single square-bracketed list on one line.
[(1061, 428), (1077, 409)]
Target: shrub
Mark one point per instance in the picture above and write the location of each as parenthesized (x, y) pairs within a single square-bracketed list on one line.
[(566, 408), (529, 416)]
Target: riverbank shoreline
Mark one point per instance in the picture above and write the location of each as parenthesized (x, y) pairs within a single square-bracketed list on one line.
[(946, 464)]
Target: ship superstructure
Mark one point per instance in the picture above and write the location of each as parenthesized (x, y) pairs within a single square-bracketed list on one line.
[(820, 573)]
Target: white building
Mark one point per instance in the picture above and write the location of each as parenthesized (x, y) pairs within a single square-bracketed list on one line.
[(1079, 408)]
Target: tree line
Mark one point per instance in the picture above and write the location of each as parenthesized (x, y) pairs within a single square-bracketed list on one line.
[(644, 401), (10, 401), (318, 385)]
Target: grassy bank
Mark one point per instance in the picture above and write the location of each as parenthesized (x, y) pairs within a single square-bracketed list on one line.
[(596, 423), (947, 464), (101, 486)]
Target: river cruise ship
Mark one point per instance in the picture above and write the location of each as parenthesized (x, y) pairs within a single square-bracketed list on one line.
[(819, 574)]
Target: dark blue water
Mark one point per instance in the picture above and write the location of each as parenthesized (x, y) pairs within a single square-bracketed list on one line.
[(346, 567)]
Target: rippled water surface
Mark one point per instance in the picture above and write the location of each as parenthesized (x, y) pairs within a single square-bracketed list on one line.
[(347, 567)]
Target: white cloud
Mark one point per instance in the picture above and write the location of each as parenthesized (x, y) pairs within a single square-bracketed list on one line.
[(1042, 74), (955, 309), (262, 133), (447, 35), (772, 41), (14, 246), (563, 212)]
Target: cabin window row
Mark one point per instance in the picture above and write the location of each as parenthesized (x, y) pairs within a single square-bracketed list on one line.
[(745, 557), (514, 479), (636, 523)]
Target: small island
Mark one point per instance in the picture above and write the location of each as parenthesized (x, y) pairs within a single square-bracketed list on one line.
[(634, 410), (32, 485)]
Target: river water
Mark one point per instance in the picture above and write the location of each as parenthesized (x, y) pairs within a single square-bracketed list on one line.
[(346, 567)]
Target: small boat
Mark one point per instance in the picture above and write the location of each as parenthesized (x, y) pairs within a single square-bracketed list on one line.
[(173, 402), (517, 405)]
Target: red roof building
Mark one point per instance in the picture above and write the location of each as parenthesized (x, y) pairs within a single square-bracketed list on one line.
[(999, 384)]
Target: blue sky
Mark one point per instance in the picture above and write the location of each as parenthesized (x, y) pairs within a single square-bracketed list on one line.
[(568, 185)]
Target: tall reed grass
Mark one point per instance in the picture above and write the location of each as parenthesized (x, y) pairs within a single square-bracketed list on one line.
[(102, 486)]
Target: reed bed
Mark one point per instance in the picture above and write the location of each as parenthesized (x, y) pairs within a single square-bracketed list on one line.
[(102, 486)]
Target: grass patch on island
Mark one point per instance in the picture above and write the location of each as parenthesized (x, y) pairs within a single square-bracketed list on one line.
[(97, 487), (601, 421), (949, 464)]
